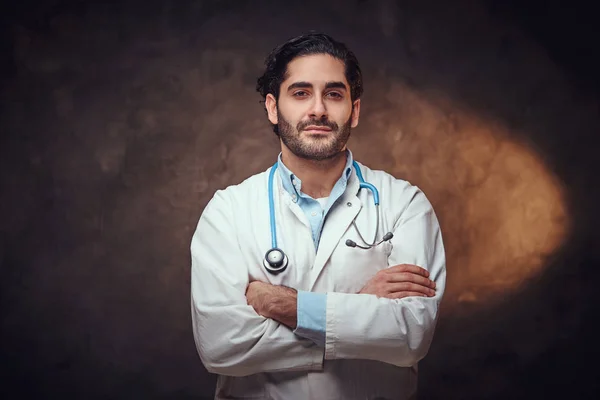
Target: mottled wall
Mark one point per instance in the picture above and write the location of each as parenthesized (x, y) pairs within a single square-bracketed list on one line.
[(120, 121)]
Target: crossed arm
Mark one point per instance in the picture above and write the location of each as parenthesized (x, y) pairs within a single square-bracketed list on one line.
[(243, 327), (281, 303)]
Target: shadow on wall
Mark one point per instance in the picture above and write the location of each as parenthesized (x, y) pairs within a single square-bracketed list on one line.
[(123, 123)]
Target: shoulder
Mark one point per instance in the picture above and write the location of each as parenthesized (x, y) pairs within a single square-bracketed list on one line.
[(243, 192), (396, 194), (388, 184)]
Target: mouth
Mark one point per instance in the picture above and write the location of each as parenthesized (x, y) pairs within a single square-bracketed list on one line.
[(317, 129)]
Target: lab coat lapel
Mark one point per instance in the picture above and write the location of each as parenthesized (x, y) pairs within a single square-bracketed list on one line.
[(338, 220), (289, 204)]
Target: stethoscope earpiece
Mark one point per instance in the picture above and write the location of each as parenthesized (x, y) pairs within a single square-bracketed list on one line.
[(386, 237)]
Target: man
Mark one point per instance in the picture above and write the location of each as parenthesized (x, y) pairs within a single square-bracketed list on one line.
[(302, 286)]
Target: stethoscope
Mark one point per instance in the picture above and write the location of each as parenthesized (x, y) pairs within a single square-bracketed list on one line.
[(276, 260)]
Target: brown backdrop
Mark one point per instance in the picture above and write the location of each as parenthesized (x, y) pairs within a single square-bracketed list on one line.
[(120, 121)]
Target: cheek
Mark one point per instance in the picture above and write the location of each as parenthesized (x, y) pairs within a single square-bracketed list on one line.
[(342, 114), (291, 114)]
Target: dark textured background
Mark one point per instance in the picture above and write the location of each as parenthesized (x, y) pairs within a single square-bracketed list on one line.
[(119, 120)]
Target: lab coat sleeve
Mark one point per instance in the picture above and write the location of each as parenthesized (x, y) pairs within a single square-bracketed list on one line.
[(231, 338), (395, 331)]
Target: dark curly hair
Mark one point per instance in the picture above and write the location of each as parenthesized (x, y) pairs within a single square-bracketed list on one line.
[(312, 43)]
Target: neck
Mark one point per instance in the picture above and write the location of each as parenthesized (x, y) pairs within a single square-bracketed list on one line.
[(318, 177)]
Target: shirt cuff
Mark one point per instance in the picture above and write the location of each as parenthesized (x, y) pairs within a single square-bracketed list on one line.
[(312, 316)]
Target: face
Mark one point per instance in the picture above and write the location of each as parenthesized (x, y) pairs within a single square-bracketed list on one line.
[(315, 111)]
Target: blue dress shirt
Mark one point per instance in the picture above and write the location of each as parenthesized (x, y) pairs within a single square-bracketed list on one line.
[(311, 309)]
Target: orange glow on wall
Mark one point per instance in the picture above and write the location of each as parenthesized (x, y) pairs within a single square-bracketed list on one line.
[(501, 209)]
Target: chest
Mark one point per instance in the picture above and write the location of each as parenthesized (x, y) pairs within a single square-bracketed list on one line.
[(334, 266)]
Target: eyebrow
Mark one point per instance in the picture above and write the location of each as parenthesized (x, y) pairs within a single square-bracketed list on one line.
[(308, 85)]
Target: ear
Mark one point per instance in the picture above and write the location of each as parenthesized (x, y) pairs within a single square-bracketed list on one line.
[(355, 113), (271, 106)]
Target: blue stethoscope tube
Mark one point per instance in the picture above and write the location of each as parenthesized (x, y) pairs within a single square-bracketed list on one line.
[(276, 260)]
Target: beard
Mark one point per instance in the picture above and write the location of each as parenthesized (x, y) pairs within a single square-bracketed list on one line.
[(313, 147)]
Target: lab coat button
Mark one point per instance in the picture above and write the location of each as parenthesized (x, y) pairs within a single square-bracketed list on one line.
[(349, 204)]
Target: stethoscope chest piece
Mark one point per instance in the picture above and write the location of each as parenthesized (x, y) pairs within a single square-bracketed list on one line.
[(275, 261)]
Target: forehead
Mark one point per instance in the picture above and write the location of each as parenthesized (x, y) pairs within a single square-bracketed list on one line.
[(316, 69)]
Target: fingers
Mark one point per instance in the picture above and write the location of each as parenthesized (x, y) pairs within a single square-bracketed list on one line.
[(401, 295), (410, 287), (401, 277), (415, 269)]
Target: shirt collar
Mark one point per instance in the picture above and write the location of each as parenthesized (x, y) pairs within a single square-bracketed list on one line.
[(293, 185)]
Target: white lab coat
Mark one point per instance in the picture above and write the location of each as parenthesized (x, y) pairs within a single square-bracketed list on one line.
[(372, 344)]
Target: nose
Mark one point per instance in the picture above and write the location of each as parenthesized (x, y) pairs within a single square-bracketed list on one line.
[(318, 109)]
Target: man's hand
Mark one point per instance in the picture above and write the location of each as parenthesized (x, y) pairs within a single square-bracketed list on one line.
[(400, 281), (272, 301)]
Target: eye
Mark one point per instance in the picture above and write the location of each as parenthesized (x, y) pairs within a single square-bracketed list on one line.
[(300, 93), (335, 95)]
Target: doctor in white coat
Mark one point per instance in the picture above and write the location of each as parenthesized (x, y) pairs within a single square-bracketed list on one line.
[(318, 278)]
